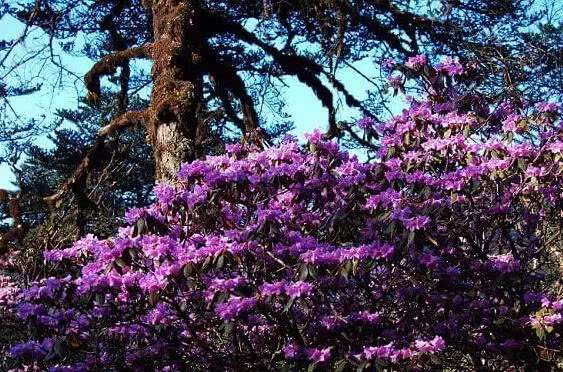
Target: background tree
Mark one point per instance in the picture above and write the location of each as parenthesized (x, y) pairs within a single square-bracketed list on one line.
[(215, 61)]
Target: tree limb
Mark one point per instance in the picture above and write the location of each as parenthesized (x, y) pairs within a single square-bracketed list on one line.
[(93, 158), (108, 65), (304, 69), (224, 75)]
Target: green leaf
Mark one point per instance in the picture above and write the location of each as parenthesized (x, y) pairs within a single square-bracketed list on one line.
[(540, 333), (313, 272), (140, 227), (304, 272), (466, 131), (188, 270), (191, 283), (133, 253), (407, 140), (363, 366), (355, 263), (153, 298), (121, 262), (206, 263), (288, 305), (411, 237), (228, 329), (220, 261), (510, 137), (109, 267), (340, 365)]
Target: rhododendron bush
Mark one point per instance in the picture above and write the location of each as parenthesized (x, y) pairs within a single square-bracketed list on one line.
[(436, 254)]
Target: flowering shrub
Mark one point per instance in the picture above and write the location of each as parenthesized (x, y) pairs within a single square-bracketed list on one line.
[(9, 292), (437, 253)]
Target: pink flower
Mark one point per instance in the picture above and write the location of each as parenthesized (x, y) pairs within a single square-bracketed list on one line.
[(548, 106), (366, 123), (433, 346), (450, 66), (417, 62), (319, 355)]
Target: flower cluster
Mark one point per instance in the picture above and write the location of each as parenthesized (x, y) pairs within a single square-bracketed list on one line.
[(9, 293), (293, 256)]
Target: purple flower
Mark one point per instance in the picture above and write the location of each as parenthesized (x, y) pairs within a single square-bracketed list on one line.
[(388, 64), (386, 352), (552, 319), (415, 223), (433, 346), (429, 260), (32, 350), (272, 289), (366, 317), (151, 283), (298, 289), (417, 62), (510, 345), (450, 66), (165, 193), (291, 351), (331, 322), (547, 107), (366, 123), (252, 231), (395, 81), (133, 214), (233, 308), (319, 355), (505, 263), (315, 137)]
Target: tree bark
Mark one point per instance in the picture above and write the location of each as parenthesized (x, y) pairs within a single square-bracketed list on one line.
[(177, 94)]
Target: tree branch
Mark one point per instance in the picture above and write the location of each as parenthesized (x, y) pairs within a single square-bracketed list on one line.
[(228, 108), (304, 69), (224, 75), (93, 158), (108, 65)]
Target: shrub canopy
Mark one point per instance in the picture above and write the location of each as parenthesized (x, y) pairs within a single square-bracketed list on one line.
[(439, 252)]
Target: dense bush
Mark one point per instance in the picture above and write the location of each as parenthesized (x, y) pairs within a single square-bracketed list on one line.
[(436, 254)]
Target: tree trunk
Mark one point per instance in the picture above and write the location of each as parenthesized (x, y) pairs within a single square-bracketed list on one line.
[(177, 86)]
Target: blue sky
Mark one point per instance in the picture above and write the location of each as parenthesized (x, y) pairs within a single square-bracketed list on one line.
[(304, 108)]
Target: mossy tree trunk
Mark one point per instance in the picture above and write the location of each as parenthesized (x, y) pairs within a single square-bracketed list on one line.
[(173, 117)]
